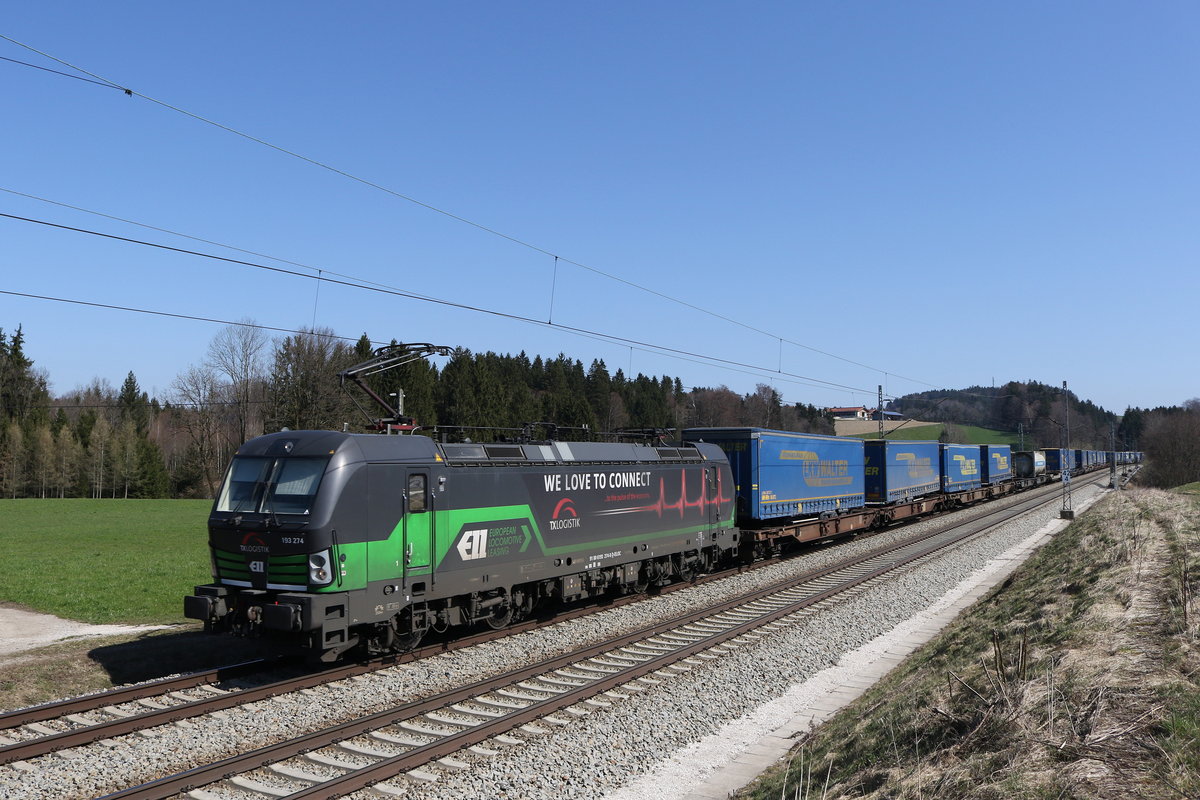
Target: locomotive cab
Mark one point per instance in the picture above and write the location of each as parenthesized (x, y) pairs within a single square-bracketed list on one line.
[(290, 530)]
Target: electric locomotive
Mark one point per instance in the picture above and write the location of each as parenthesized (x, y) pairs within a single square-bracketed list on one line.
[(335, 540)]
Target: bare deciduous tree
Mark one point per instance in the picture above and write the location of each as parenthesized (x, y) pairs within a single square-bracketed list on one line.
[(198, 391), (42, 460), (1172, 444), (238, 353), (99, 444), (12, 460), (67, 456)]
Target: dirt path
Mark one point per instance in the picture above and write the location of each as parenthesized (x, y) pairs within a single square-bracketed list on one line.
[(857, 427), (22, 630)]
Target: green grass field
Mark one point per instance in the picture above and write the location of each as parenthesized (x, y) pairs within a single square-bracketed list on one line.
[(969, 435), (910, 433), (103, 561), (987, 436)]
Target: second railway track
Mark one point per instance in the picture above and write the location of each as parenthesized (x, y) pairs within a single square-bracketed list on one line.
[(407, 749)]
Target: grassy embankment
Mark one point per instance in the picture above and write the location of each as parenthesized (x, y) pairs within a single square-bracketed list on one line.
[(917, 433), (1078, 678), (103, 561), (965, 434)]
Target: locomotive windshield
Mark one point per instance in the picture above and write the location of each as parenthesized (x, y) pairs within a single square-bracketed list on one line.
[(271, 485)]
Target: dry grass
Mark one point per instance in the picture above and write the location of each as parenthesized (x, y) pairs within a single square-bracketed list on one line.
[(858, 427), (84, 666), (1077, 679)]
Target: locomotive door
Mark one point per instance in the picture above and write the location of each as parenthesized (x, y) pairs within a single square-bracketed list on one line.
[(418, 531), (712, 494)]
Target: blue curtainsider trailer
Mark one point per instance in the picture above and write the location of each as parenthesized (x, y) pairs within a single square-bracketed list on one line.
[(780, 475), (960, 467), (901, 470), (996, 460), (1059, 459)]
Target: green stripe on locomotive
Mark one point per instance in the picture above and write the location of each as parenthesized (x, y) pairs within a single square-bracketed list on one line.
[(385, 561)]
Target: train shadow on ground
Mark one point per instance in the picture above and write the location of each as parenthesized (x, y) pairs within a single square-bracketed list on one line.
[(157, 654)]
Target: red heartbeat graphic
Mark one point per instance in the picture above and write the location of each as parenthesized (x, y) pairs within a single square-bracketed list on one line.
[(683, 504)]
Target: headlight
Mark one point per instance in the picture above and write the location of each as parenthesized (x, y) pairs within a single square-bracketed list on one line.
[(318, 568)]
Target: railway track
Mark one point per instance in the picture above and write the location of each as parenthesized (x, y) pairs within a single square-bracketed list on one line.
[(477, 720), (44, 729), (51, 727)]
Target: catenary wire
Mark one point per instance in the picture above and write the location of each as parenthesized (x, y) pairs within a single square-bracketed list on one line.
[(56, 72), (195, 318), (439, 301), (321, 270), (451, 215), (190, 237)]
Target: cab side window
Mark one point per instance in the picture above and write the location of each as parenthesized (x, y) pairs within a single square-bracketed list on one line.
[(417, 497)]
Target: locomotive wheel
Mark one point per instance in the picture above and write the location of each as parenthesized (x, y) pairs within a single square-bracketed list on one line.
[(401, 640), (500, 618), (408, 641)]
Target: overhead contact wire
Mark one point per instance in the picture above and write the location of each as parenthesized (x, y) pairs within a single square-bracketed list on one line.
[(443, 212), (439, 301)]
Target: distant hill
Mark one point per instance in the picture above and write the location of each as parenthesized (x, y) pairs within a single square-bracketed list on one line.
[(1037, 409)]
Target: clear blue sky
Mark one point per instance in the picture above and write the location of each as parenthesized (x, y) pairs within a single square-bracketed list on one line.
[(955, 193)]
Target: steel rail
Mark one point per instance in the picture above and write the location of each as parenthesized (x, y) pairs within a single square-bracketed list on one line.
[(390, 767), (125, 694), (152, 717)]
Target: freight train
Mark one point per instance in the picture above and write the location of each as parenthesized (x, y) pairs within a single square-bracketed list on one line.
[(334, 541)]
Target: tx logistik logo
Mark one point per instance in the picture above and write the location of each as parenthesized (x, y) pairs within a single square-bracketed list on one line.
[(253, 543), (564, 516)]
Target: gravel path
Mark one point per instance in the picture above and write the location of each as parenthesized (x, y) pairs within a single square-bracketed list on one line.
[(600, 752), (25, 630)]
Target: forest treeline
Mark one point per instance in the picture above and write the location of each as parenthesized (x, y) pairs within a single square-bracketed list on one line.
[(98, 441), (1035, 409)]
